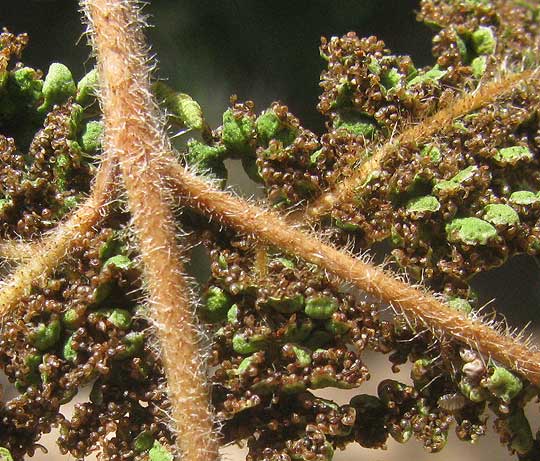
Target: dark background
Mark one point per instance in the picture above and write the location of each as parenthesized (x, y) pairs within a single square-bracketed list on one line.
[(260, 50)]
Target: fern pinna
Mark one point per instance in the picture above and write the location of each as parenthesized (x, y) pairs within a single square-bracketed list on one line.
[(440, 163)]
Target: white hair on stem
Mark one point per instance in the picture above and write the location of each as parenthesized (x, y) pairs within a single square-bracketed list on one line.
[(135, 133)]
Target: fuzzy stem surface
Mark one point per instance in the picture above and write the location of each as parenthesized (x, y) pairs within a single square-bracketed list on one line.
[(18, 250), (435, 124), (135, 135), (44, 258), (420, 306)]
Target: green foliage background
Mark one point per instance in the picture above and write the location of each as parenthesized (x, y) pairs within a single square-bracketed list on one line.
[(211, 49), (263, 51), (260, 50)]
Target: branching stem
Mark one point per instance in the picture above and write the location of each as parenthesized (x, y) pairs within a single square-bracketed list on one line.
[(421, 307), (58, 244), (135, 135), (435, 124), (136, 138)]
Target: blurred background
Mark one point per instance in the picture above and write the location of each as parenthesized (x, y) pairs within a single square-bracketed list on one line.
[(266, 51)]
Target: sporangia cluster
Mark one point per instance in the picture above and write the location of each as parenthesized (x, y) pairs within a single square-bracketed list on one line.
[(449, 201)]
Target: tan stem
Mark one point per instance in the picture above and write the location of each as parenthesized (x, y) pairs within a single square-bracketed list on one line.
[(135, 134), (58, 244), (435, 124), (18, 250), (422, 307)]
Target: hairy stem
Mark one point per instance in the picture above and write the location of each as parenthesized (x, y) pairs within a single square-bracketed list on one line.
[(437, 123), (135, 135), (420, 306), (18, 250), (57, 245)]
